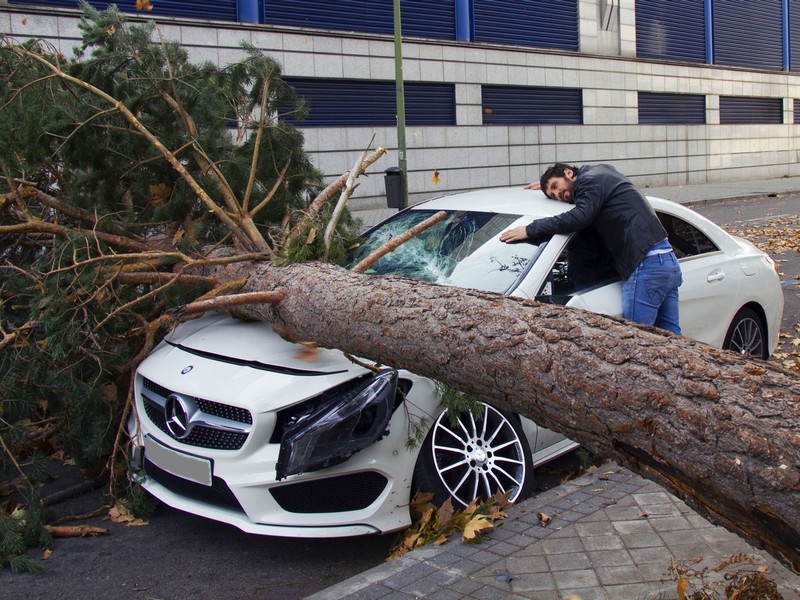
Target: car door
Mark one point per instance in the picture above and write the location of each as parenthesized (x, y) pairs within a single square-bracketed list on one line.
[(710, 279)]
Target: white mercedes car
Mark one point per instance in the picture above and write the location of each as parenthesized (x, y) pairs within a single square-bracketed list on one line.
[(234, 423)]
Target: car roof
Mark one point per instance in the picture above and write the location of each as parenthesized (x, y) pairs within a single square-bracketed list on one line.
[(513, 201)]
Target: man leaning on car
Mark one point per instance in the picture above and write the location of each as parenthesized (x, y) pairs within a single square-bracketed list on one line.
[(607, 200)]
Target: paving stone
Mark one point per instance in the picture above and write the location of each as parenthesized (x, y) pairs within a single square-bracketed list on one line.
[(602, 542), (445, 594), (491, 593), (646, 498), (585, 578), (371, 592), (527, 564), (618, 575), (466, 586), (569, 562), (583, 594), (396, 595), (561, 546), (432, 583), (641, 540), (639, 591), (534, 582), (604, 558), (409, 575), (641, 526), (595, 528), (677, 523)]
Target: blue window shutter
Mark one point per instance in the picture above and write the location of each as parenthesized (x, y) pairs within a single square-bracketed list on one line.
[(364, 103), (734, 110), (509, 105), (748, 33), (216, 10), (420, 18), (535, 23), (671, 29), (794, 35), (675, 109)]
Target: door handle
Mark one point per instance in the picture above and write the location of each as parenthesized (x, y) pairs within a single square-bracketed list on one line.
[(716, 276)]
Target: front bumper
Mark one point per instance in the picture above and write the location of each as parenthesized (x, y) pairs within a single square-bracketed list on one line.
[(234, 481)]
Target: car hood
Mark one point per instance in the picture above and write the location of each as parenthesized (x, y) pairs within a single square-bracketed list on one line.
[(255, 343)]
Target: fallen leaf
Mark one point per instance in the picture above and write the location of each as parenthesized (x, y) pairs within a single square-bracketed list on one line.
[(119, 513), (475, 526), (681, 587), (445, 513), (47, 554), (543, 518)]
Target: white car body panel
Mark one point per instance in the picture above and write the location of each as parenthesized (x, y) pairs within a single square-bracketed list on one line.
[(247, 367)]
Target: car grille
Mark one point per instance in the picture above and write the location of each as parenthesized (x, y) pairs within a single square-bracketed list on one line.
[(154, 397), (333, 494), (219, 494)]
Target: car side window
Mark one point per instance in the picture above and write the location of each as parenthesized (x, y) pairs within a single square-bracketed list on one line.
[(686, 239), (584, 263)]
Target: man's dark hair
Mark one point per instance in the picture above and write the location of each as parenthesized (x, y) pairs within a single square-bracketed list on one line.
[(557, 170)]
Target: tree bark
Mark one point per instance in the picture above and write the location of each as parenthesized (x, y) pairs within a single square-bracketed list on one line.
[(719, 430)]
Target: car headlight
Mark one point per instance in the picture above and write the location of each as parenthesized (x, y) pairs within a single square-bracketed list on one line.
[(338, 428)]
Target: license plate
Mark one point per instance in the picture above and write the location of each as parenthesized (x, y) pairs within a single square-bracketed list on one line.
[(178, 463)]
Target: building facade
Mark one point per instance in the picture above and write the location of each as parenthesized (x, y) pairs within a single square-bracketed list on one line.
[(672, 92)]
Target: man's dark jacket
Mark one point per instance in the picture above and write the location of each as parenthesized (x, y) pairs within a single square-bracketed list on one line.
[(605, 198)]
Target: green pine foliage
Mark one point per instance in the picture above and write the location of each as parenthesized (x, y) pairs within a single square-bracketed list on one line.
[(71, 332)]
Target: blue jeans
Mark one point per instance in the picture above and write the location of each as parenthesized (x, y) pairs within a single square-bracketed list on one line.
[(650, 294)]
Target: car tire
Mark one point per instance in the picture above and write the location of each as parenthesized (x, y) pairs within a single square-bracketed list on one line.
[(476, 457), (746, 335)]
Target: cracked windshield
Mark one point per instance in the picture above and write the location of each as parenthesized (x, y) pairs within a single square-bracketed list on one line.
[(462, 250)]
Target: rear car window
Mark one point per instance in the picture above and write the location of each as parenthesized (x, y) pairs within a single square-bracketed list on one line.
[(686, 239)]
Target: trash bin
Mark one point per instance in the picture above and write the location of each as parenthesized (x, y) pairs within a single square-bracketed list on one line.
[(395, 181)]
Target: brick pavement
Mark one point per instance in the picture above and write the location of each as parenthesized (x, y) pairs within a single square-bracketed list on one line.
[(613, 536)]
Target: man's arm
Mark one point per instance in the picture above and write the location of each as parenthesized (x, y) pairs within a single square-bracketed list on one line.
[(588, 200)]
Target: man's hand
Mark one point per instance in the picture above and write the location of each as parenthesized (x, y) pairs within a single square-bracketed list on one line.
[(532, 186), (517, 234)]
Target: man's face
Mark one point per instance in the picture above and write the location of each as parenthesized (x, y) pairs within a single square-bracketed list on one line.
[(560, 188)]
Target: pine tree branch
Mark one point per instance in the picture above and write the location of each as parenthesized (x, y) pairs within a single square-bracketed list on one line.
[(326, 194), (256, 146), (349, 186), (225, 302), (36, 226), (396, 241), (205, 162), (239, 235), (154, 292), (273, 190), (27, 189), (8, 337), (161, 278)]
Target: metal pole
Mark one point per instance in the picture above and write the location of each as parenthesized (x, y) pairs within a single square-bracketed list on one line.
[(400, 94)]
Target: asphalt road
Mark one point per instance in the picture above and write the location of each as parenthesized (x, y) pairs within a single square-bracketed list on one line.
[(180, 556)]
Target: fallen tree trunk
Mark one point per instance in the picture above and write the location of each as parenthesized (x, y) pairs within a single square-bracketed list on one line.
[(719, 430)]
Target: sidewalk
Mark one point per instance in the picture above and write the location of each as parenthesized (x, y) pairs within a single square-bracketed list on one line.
[(613, 536)]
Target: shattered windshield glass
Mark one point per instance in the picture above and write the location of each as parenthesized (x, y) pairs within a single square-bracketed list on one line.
[(463, 249)]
